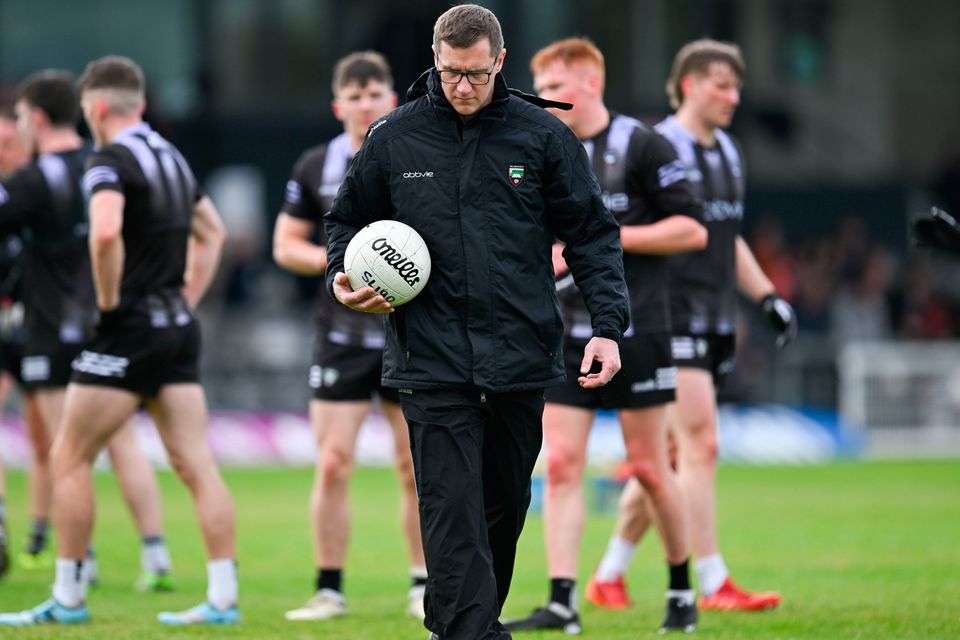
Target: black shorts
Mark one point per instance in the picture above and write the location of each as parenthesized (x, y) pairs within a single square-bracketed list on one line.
[(713, 352), (11, 356), (47, 362), (343, 372), (129, 353), (647, 376)]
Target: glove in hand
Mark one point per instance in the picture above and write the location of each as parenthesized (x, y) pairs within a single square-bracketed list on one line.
[(781, 317)]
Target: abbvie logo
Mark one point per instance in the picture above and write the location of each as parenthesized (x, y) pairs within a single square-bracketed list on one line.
[(417, 174)]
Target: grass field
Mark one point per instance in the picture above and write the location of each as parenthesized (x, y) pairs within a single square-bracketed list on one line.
[(858, 550)]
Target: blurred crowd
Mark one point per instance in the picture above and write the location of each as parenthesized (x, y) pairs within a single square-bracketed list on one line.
[(846, 287)]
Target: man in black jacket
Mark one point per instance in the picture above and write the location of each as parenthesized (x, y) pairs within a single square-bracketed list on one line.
[(490, 181)]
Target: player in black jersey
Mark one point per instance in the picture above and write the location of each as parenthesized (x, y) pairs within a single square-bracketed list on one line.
[(13, 155), (704, 88), (646, 189), (44, 203), (348, 351), (154, 242)]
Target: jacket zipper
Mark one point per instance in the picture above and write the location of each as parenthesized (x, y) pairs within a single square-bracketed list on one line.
[(460, 125)]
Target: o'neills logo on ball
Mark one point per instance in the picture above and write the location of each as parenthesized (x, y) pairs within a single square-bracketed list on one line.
[(406, 268)]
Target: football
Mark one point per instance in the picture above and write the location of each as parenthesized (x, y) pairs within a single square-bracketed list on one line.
[(389, 256)]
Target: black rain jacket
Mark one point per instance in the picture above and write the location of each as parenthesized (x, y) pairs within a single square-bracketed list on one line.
[(489, 197)]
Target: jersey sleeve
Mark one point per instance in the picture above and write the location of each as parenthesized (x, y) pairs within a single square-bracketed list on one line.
[(21, 194), (578, 217), (103, 171), (299, 200), (663, 177)]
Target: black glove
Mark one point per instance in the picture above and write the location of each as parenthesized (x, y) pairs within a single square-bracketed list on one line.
[(937, 228), (781, 317)]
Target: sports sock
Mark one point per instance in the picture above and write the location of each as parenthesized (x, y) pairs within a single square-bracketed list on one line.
[(69, 586), (331, 579), (418, 576), (616, 559), (38, 536), (711, 573), (562, 591), (679, 575), (686, 596), (222, 585), (154, 556), (90, 575)]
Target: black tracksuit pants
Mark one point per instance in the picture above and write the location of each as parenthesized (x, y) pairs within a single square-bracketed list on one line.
[(473, 453)]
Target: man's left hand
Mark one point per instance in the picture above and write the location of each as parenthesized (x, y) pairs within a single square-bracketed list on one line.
[(607, 353)]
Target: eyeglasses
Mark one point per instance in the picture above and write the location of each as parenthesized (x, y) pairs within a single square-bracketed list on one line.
[(475, 78)]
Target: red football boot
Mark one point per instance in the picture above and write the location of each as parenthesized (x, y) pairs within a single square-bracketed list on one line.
[(609, 595), (730, 597)]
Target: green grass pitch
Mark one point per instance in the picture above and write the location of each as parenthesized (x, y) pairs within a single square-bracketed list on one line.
[(859, 550)]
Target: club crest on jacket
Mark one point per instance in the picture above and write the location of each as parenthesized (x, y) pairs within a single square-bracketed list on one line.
[(515, 174)]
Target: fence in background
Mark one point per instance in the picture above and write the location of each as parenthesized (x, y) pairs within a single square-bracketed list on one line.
[(904, 397)]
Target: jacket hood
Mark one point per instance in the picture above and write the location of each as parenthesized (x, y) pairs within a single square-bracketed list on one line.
[(429, 84)]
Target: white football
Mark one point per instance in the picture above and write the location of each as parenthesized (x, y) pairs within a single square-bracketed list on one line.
[(389, 256)]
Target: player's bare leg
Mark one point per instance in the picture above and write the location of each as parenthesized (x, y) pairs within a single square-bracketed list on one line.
[(635, 515), (180, 412), (694, 421), (409, 508), (49, 404), (566, 430), (336, 426), (645, 436), (141, 492), (4, 553), (5, 385), (137, 482), (90, 416), (36, 555)]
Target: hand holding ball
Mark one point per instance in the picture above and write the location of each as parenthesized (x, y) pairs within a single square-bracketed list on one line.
[(390, 257)]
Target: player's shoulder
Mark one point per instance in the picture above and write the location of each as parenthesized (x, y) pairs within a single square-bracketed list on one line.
[(727, 137), (625, 132), (24, 182), (314, 156), (109, 154), (648, 142), (26, 174), (70, 160), (671, 129), (730, 145)]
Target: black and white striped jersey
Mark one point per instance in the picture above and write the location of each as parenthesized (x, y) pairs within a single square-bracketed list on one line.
[(45, 204), (703, 283), (160, 192), (642, 183), (310, 192)]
